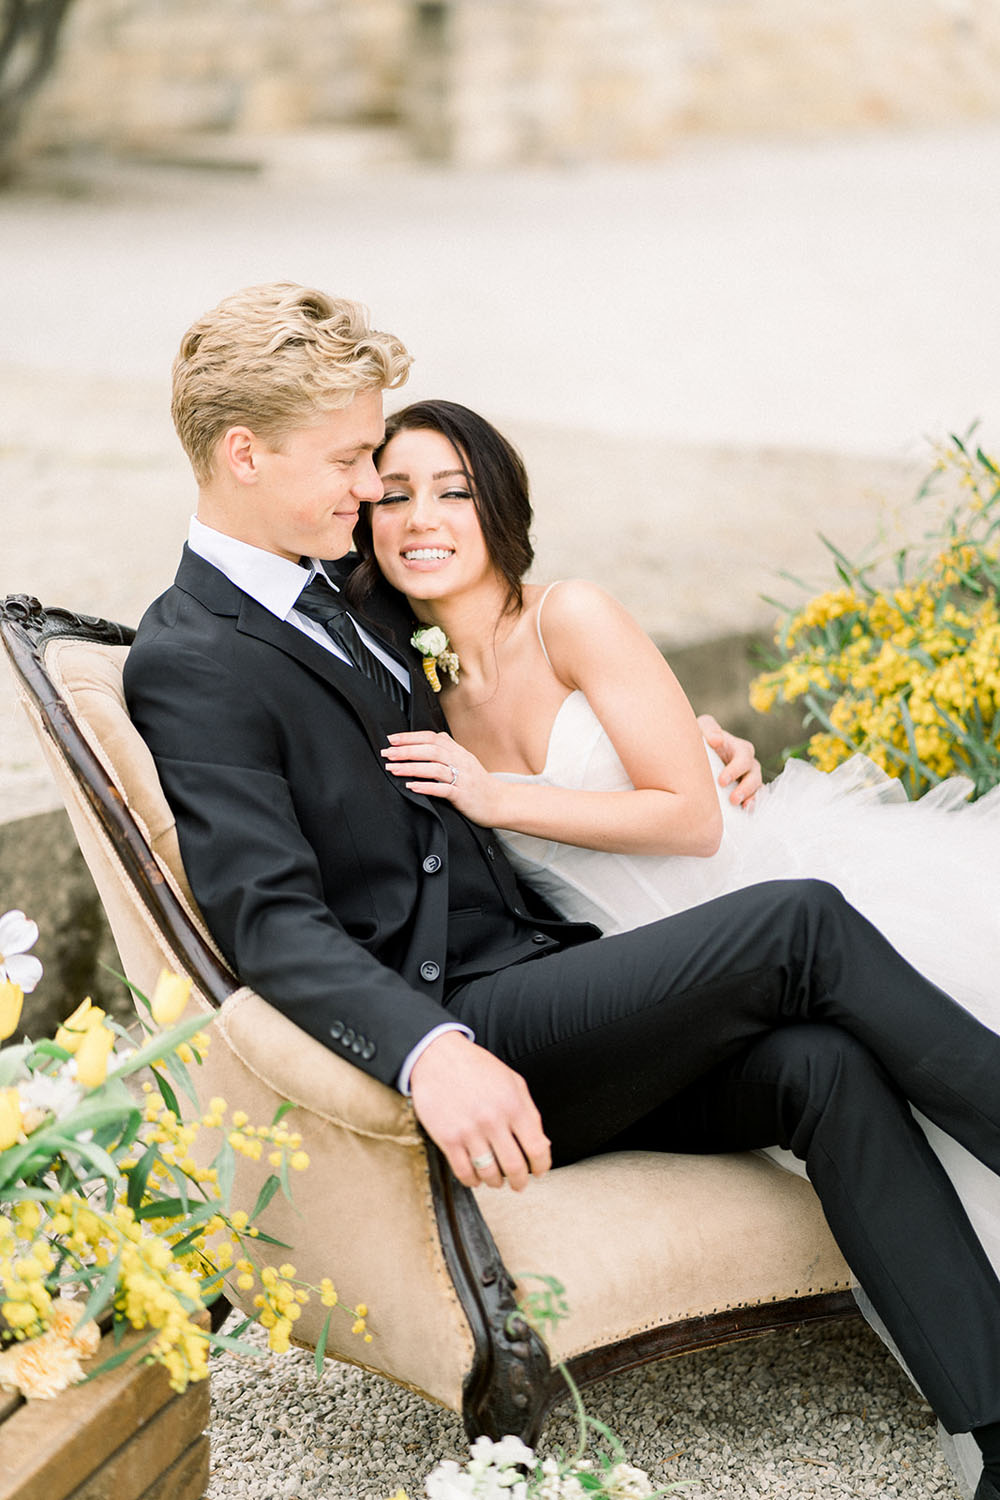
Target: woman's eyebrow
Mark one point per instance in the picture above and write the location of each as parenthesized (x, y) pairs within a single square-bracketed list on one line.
[(404, 478)]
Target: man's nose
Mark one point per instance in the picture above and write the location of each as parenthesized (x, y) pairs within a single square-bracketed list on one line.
[(368, 485)]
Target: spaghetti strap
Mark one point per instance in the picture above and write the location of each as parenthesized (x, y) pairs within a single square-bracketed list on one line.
[(538, 620)]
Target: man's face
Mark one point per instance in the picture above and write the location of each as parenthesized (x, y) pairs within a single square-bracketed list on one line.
[(303, 501)]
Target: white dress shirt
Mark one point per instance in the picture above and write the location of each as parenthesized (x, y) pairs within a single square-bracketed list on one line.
[(276, 584)]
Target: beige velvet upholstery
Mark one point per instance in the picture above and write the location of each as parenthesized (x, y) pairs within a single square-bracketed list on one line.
[(367, 1218), (638, 1240)]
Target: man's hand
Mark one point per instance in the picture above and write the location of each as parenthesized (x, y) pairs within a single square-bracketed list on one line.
[(474, 1106), (740, 766)]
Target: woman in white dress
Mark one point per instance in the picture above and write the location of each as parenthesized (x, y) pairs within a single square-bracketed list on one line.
[(571, 736)]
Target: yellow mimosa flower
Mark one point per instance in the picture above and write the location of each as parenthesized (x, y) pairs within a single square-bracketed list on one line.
[(169, 998), (11, 1000)]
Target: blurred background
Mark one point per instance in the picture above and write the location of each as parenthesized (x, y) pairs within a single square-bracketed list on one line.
[(724, 269)]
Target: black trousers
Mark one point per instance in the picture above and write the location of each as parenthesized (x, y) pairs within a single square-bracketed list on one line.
[(778, 1015)]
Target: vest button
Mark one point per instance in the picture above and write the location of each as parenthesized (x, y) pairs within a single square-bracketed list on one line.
[(539, 937), (429, 970), (491, 852), (432, 864)]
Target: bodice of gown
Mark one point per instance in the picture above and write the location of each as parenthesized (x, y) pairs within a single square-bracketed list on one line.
[(616, 891)]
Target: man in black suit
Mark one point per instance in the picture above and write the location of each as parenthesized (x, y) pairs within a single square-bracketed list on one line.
[(393, 930)]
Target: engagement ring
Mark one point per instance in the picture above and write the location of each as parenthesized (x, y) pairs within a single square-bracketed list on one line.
[(482, 1163)]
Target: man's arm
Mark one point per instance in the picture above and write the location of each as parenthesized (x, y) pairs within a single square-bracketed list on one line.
[(740, 767)]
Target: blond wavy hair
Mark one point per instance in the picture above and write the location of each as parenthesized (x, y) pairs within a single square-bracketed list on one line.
[(274, 358)]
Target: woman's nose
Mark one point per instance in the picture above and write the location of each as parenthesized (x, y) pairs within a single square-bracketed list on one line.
[(422, 513)]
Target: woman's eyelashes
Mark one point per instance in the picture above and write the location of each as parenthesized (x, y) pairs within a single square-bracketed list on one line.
[(394, 498)]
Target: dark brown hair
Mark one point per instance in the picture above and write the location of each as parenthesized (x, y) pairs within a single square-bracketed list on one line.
[(497, 479)]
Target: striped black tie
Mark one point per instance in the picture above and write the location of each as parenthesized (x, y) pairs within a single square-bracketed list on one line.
[(322, 604)]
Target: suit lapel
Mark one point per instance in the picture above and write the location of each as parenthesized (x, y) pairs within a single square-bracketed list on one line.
[(213, 589), (387, 615)]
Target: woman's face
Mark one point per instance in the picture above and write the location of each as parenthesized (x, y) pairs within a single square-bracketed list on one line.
[(425, 530)]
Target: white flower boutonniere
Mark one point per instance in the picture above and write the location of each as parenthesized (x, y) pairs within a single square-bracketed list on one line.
[(435, 648)]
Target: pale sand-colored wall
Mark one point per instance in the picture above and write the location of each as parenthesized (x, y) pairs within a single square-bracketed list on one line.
[(502, 81)]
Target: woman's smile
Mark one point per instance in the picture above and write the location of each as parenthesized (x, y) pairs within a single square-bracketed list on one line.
[(426, 522)]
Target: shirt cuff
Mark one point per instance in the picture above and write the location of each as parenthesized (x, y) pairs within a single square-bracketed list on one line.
[(403, 1081)]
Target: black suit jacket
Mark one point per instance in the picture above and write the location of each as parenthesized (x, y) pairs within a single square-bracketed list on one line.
[(347, 901)]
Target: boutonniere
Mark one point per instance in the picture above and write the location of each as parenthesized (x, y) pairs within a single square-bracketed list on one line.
[(435, 648)]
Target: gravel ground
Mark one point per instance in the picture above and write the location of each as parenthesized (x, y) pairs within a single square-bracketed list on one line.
[(808, 1415)]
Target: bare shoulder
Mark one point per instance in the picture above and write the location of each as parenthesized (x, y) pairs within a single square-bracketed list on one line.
[(577, 603), (581, 622)]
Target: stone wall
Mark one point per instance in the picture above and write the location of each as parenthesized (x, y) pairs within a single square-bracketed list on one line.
[(620, 79), (141, 72), (482, 82)]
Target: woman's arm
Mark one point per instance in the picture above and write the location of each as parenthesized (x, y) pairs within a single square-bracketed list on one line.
[(595, 646)]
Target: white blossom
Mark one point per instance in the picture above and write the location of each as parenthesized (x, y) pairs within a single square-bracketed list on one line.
[(17, 935), (54, 1094), (430, 641)]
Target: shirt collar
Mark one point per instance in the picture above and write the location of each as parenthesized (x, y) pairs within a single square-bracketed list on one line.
[(273, 581)]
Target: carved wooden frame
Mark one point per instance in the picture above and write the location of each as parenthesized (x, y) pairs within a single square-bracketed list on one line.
[(511, 1385)]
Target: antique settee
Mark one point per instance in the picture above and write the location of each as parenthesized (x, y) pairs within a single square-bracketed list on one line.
[(658, 1254)]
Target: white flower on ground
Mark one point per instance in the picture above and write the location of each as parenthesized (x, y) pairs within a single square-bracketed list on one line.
[(17, 935), (626, 1482), (509, 1450), (492, 1473)]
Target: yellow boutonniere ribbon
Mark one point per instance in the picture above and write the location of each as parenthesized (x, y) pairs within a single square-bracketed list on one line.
[(435, 648)]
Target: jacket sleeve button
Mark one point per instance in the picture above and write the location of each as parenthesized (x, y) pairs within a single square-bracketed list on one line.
[(337, 1030), (429, 970), (348, 1036), (368, 1051), (432, 864)]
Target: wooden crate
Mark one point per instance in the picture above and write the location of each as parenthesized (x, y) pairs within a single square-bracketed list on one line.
[(123, 1436)]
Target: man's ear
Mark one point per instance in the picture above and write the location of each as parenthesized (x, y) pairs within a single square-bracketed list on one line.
[(238, 450)]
